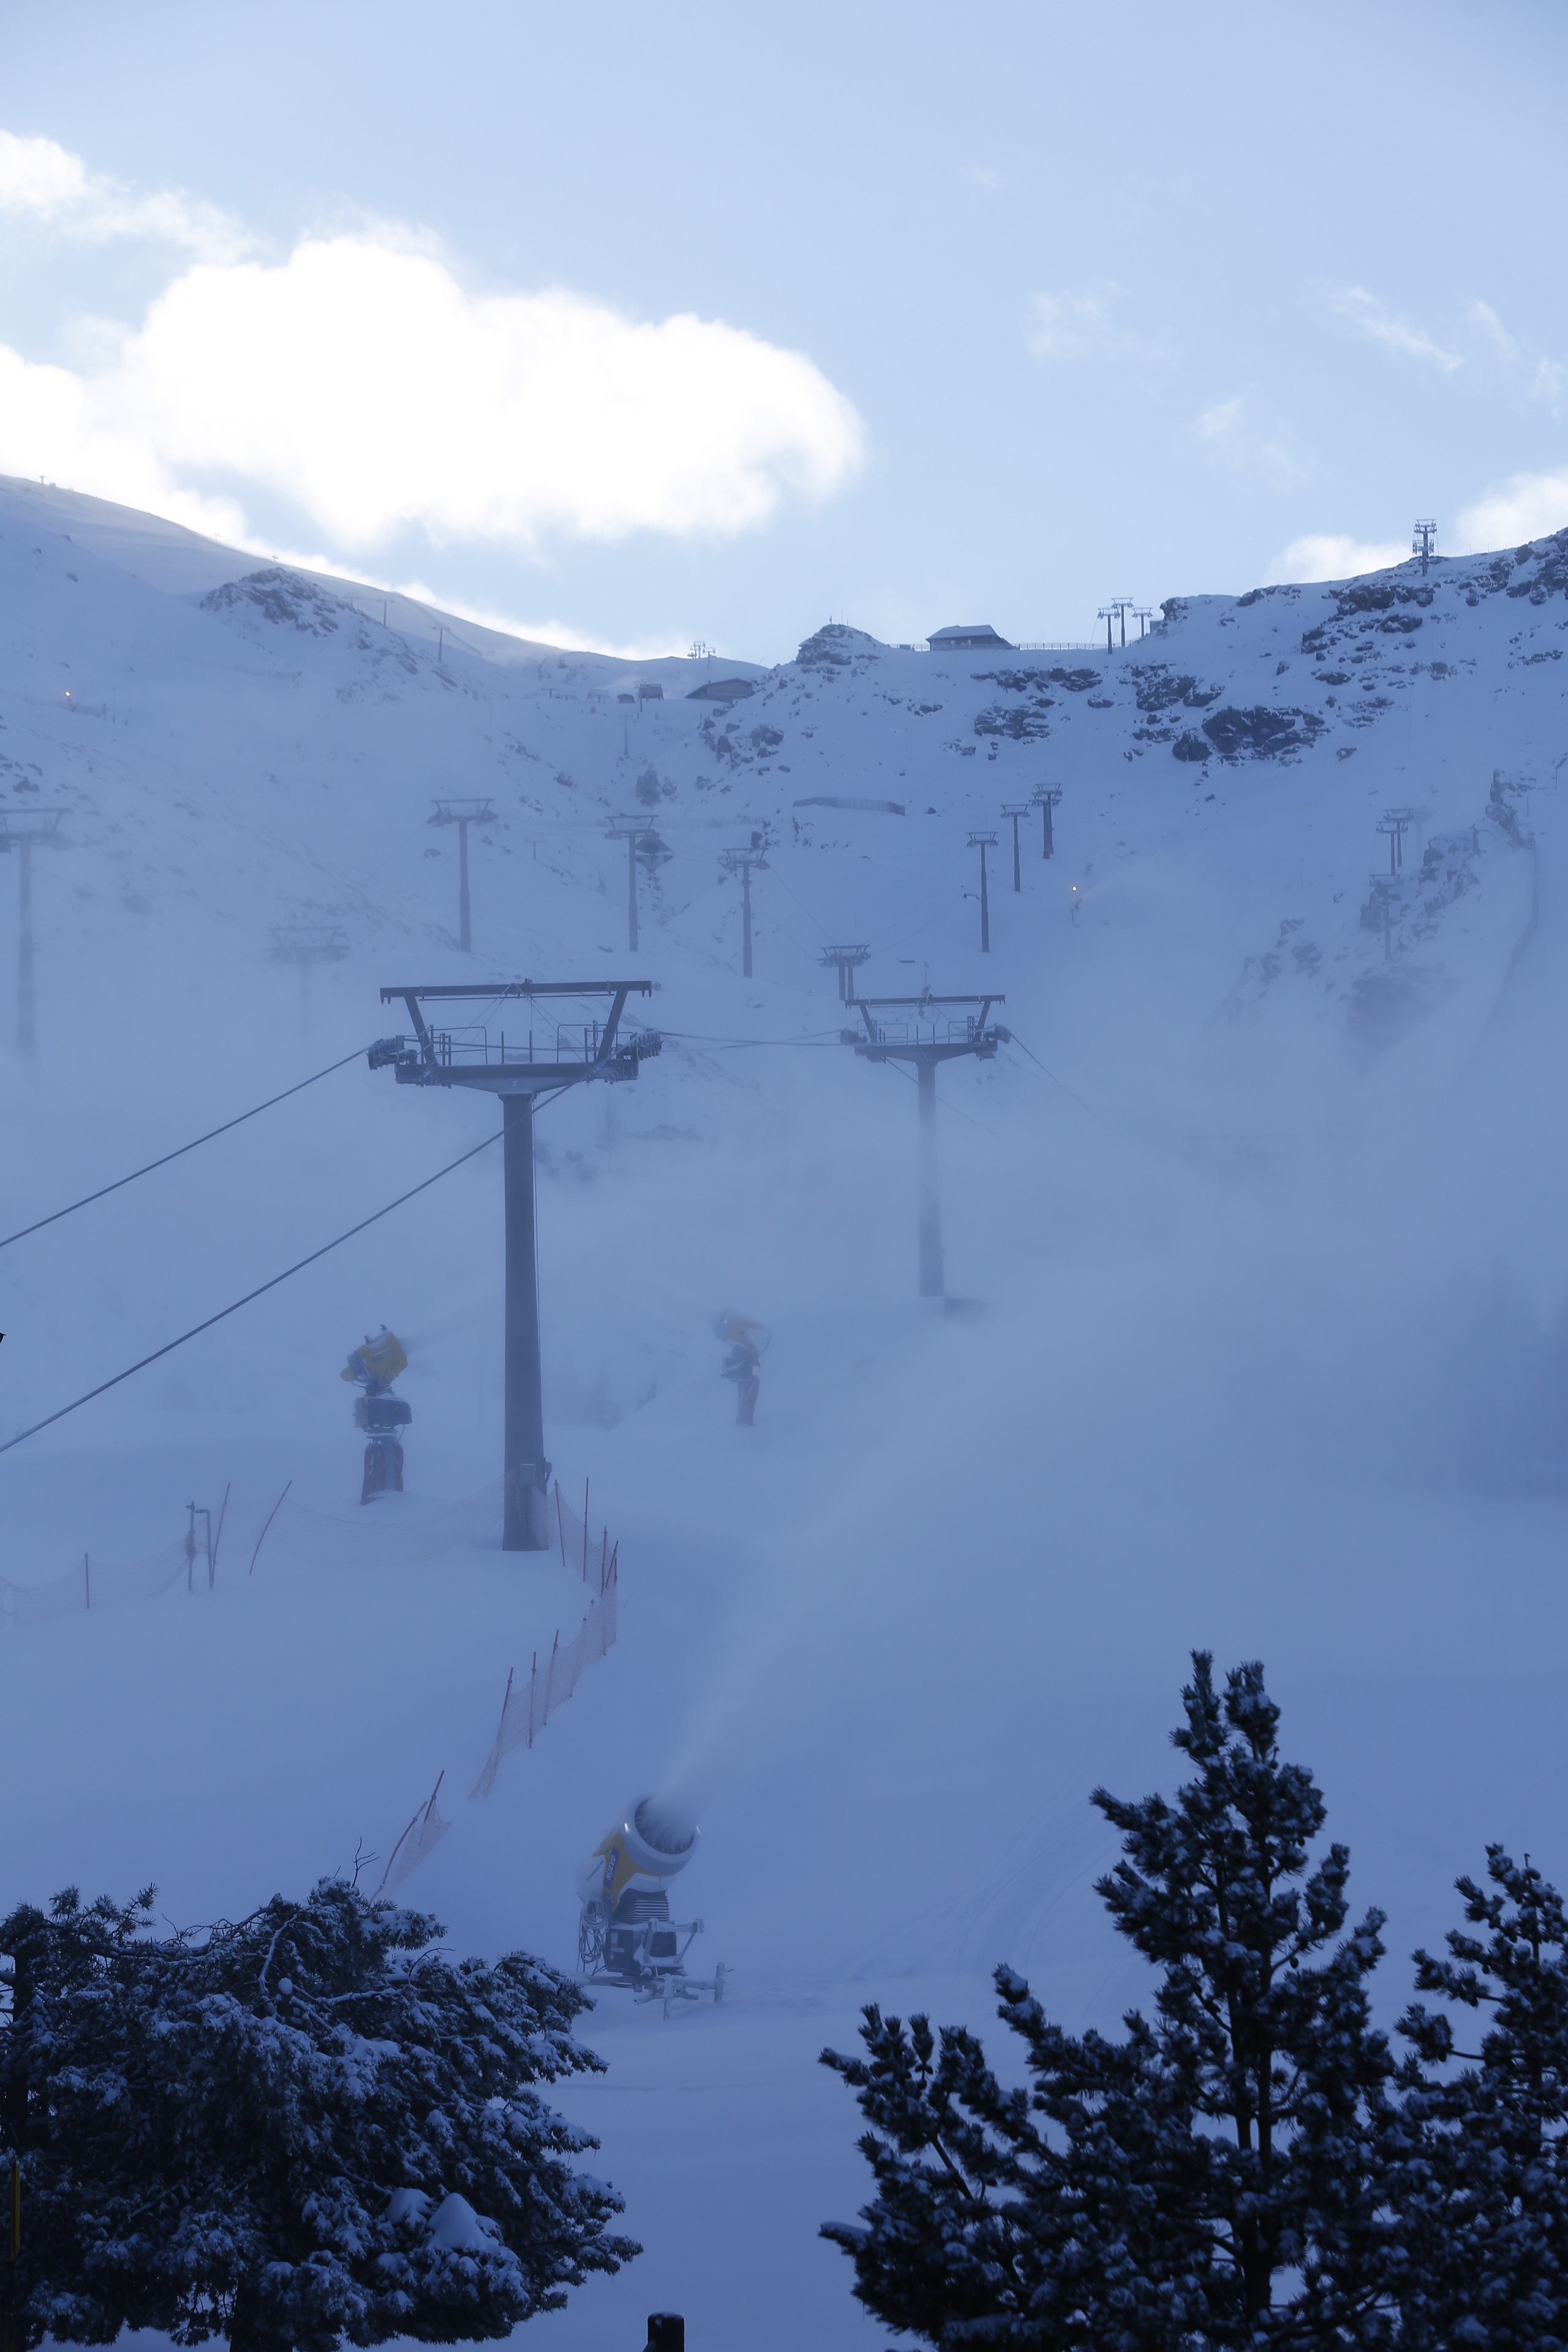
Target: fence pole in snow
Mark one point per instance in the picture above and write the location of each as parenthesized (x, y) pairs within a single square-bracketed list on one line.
[(87, 1576), (261, 1538), (217, 1539), (584, 1531)]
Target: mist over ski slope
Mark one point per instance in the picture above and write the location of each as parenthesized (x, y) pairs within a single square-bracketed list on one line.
[(1257, 1336)]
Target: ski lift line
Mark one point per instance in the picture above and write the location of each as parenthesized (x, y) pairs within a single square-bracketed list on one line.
[(697, 1037), (261, 1288), (120, 1181), (914, 1081), (1034, 1058)]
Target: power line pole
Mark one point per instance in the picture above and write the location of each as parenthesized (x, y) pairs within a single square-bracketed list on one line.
[(846, 961), (1016, 810), (922, 1033), (463, 814), (25, 830), (306, 945), (518, 1071), (642, 841), (1045, 797), (983, 842), (742, 862), (1424, 542)]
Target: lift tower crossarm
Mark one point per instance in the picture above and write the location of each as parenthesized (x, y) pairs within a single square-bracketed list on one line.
[(436, 1063)]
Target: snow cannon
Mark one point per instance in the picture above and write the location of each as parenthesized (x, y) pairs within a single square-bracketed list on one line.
[(624, 1933), (378, 1413)]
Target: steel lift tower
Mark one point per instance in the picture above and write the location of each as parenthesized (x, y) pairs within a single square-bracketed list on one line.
[(925, 1031), (306, 945), (519, 1069), (846, 961), (1423, 540), (1016, 809), (642, 841), (743, 862), (463, 814), (25, 830), (1046, 799), (1395, 823), (983, 842)]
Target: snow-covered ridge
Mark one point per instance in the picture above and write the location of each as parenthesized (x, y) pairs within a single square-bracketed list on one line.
[(1257, 1226)]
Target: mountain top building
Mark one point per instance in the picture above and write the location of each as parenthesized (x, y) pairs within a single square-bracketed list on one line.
[(973, 636)]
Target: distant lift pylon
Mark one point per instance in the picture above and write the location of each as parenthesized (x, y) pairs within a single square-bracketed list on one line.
[(921, 1030), (518, 1070)]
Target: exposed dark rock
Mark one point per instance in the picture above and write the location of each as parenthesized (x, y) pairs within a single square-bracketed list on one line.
[(1261, 732)]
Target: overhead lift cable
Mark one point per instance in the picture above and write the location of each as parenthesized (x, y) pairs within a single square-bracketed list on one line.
[(297, 1267), (103, 1189)]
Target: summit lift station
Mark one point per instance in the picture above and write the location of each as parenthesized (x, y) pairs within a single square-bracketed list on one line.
[(926, 1030), (519, 1070)]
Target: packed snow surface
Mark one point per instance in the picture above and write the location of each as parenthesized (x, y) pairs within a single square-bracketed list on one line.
[(1255, 1253)]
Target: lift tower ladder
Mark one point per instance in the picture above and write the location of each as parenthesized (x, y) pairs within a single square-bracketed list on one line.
[(518, 1069), (925, 1031)]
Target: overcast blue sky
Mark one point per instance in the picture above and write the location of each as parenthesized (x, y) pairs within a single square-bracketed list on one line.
[(649, 325)]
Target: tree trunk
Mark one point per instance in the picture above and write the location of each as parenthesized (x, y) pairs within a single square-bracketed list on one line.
[(249, 2327)]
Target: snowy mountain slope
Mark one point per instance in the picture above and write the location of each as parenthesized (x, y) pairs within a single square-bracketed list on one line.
[(1265, 1282)]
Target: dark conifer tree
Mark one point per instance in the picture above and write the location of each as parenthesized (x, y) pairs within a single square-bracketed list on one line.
[(310, 2127), (1214, 2179), (1481, 2191)]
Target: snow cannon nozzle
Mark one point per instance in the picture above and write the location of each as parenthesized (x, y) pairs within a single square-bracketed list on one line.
[(667, 1828)]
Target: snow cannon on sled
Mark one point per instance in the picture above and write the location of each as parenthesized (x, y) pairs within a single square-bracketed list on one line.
[(626, 1936), (381, 1416)]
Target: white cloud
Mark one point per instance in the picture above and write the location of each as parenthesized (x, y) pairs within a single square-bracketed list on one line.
[(44, 184), (1483, 316), (1335, 555), (1067, 326), (1371, 318), (362, 385), (1234, 431), (1525, 507), (1546, 379)]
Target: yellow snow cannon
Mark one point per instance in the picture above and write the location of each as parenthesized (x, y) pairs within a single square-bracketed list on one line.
[(381, 1359), (624, 1934), (383, 1416)]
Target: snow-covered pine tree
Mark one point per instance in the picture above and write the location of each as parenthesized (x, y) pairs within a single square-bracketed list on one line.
[(308, 2127), (1482, 2193), (1213, 2181)]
